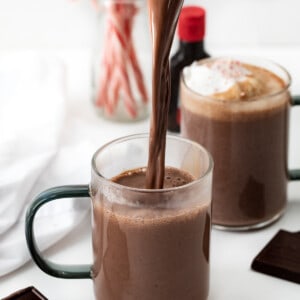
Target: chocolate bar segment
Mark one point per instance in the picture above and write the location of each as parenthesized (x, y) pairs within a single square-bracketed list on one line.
[(29, 293), (280, 257)]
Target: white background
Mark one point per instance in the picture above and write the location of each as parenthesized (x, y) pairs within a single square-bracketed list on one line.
[(268, 28), (68, 23)]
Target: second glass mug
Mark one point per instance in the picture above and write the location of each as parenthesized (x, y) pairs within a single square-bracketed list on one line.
[(147, 244), (249, 143)]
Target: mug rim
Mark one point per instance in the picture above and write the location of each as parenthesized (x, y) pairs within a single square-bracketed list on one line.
[(203, 176), (243, 59)]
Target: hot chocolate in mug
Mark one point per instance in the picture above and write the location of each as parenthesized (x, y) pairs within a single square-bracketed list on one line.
[(147, 244), (238, 109)]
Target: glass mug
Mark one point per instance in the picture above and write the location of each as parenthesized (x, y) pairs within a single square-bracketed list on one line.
[(147, 244), (248, 141)]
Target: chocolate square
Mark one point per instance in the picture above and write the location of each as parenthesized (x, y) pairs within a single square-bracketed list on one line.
[(280, 257), (29, 293)]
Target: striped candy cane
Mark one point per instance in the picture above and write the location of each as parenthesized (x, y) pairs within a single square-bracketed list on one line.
[(119, 61)]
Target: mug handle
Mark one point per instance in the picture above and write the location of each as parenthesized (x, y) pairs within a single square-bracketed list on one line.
[(295, 174), (53, 269)]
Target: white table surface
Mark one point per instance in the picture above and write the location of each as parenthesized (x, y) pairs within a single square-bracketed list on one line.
[(231, 253)]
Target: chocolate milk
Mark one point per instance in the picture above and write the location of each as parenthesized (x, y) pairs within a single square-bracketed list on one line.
[(245, 130), (151, 253), (163, 19), (153, 245)]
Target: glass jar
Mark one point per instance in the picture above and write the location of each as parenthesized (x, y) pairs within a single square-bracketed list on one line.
[(122, 62)]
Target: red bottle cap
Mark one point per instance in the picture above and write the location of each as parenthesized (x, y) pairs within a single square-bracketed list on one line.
[(191, 24)]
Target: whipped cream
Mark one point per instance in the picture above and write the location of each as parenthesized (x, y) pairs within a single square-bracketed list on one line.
[(225, 78)]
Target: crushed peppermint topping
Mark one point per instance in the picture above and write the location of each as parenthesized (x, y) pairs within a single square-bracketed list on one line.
[(230, 69)]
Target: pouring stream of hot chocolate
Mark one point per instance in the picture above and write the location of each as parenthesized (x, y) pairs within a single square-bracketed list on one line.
[(163, 19)]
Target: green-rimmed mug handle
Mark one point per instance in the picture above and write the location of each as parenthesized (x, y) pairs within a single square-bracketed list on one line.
[(53, 269), (295, 174)]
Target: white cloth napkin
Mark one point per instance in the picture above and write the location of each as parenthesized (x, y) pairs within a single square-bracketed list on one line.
[(32, 110)]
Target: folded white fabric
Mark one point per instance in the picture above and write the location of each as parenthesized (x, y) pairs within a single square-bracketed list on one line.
[(32, 102)]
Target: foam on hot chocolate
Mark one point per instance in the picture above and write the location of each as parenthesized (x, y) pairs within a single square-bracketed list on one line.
[(219, 78), (234, 85)]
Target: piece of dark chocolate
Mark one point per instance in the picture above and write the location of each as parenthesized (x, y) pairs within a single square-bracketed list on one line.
[(280, 257), (29, 293)]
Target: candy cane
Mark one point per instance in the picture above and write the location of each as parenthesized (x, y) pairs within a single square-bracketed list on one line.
[(118, 58)]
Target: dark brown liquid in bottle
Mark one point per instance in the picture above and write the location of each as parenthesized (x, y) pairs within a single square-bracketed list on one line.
[(187, 53)]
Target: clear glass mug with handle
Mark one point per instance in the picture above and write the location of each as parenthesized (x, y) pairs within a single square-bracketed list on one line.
[(248, 139), (146, 243)]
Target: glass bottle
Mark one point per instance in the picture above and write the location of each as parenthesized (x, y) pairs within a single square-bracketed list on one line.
[(191, 32), (121, 65)]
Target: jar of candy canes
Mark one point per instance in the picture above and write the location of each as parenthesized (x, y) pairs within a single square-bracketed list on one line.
[(122, 62)]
